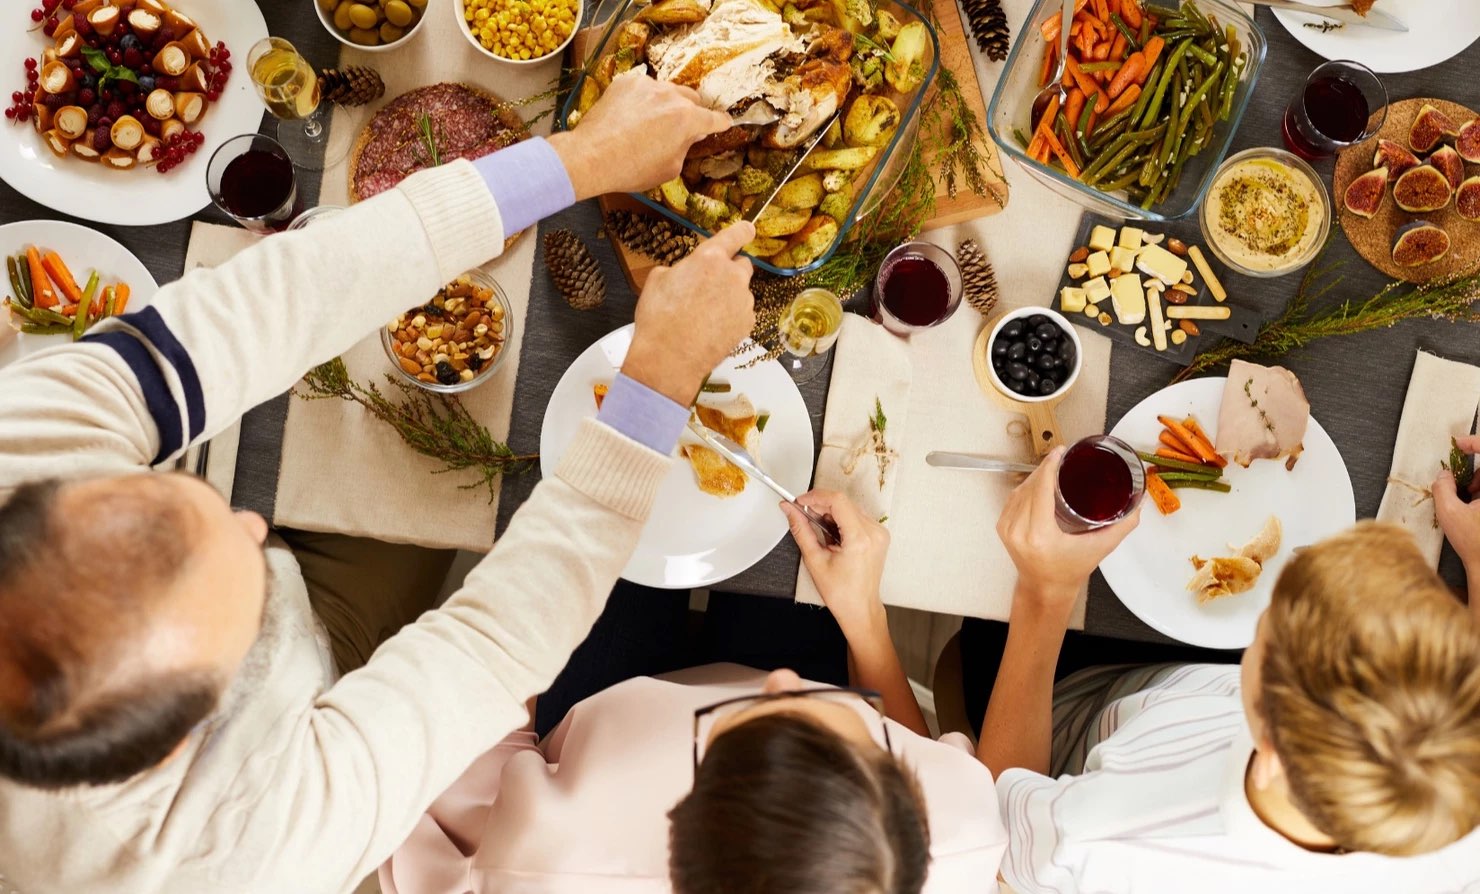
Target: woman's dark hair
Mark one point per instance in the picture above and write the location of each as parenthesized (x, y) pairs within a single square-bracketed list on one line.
[(782, 805)]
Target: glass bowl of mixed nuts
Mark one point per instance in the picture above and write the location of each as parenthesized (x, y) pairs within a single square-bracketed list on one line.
[(456, 340)]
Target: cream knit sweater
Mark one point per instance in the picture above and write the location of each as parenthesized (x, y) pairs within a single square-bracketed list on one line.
[(300, 783)]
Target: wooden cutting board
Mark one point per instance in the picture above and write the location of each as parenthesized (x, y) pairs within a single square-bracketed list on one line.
[(955, 53)]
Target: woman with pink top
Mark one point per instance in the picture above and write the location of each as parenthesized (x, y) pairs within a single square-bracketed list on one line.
[(723, 777)]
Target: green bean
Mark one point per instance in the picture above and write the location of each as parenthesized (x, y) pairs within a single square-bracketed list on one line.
[(1125, 29), (1230, 84), (39, 329), (39, 316), (1119, 183), (1176, 23), (1154, 107), (1084, 116), (1192, 13), (111, 306), (24, 268), (1022, 140), (1145, 96), (1145, 30), (21, 297), (1152, 459), (1202, 55), (1206, 112), (1066, 136), (1171, 475), (1110, 128), (1108, 65), (1107, 162), (1221, 487), (1180, 34)]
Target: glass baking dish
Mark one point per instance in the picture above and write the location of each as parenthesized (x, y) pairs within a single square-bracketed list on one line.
[(1012, 104), (602, 19)]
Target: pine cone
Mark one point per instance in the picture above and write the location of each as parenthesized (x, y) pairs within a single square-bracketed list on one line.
[(354, 85), (989, 25), (659, 239), (977, 279), (575, 273)]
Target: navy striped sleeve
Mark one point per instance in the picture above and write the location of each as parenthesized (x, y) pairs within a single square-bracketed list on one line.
[(152, 327), (156, 388)]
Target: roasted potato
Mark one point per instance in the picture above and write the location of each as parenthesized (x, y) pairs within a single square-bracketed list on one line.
[(834, 135), (764, 247), (590, 92), (888, 25), (709, 213), (673, 12), (715, 189), (803, 193), (854, 15), (906, 70), (675, 195), (776, 221), (839, 159), (871, 121), (808, 243), (634, 36)]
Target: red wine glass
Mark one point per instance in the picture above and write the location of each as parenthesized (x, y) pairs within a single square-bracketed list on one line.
[(1100, 482), (1341, 103), (251, 178), (918, 287)]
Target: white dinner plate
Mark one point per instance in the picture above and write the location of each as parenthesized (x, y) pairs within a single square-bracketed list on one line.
[(83, 250), (140, 196), (692, 539), (1437, 30), (1150, 570)]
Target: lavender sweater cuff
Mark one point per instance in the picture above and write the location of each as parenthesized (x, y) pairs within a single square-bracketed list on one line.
[(528, 182), (643, 414)]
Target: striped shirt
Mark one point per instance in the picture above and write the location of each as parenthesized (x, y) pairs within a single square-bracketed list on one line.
[(1158, 804)]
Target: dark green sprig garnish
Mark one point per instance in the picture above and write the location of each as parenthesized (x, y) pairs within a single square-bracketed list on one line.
[(437, 426), (429, 139), (878, 422), (1462, 466)]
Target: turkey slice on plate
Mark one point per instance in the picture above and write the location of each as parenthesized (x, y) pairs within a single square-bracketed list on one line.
[(1264, 414)]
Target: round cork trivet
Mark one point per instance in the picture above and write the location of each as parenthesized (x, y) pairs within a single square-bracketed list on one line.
[(1373, 239), (507, 117)]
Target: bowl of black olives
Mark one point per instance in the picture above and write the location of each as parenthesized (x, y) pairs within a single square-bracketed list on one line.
[(1033, 354)]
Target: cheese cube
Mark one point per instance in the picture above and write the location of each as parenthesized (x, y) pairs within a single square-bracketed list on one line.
[(1072, 300), (1122, 259), (1128, 298), (1096, 290), (1162, 264), (1098, 263), (1101, 239), (1130, 237)]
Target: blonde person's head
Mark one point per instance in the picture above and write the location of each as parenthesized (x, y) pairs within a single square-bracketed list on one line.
[(1369, 693)]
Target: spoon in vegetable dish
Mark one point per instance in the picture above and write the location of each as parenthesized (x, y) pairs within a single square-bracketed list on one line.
[(1055, 88)]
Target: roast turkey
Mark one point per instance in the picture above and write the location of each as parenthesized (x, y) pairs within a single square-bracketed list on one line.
[(1264, 414)]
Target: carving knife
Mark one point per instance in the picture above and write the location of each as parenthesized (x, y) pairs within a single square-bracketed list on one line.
[(758, 207), (977, 463), (1375, 18), (826, 528)]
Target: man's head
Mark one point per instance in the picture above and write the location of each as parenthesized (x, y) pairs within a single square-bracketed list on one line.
[(126, 604), (795, 796), (1362, 691)]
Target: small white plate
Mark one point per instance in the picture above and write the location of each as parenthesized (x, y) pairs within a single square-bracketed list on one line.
[(141, 196), (693, 539), (83, 250), (1150, 570), (1437, 30)]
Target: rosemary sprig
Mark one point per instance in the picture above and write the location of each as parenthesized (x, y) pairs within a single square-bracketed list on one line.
[(440, 427), (429, 139), (1452, 299)]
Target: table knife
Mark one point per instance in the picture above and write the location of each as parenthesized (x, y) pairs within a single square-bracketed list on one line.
[(760, 205), (741, 458), (1375, 18), (975, 463)]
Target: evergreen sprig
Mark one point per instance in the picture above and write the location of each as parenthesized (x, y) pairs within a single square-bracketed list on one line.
[(437, 426), (1452, 298)]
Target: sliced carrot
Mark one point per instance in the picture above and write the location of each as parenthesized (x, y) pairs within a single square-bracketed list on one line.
[(1102, 10), (1203, 451), (1177, 444), (42, 293), (1035, 144), (1126, 75), (1179, 456), (1051, 26), (1088, 86), (57, 270), (1048, 60), (69, 311), (1058, 149), (1074, 106), (1196, 429), (1130, 10), (1152, 51), (100, 303), (120, 298), (1126, 99), (1165, 499), (1117, 49)]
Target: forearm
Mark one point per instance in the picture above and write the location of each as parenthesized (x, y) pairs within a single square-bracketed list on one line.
[(873, 663), (1472, 579), (1017, 730)]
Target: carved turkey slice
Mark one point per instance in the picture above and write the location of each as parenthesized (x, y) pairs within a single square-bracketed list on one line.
[(1264, 414)]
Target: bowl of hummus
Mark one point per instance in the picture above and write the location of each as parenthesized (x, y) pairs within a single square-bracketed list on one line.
[(1266, 214)]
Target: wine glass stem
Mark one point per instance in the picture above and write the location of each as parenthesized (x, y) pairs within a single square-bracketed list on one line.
[(313, 125)]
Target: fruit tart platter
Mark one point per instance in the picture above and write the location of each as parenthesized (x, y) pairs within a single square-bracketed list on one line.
[(1410, 198), (111, 98)]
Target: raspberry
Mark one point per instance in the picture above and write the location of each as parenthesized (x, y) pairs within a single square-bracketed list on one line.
[(213, 95), (102, 140), (17, 96), (86, 97), (115, 56), (133, 58), (83, 26), (37, 14), (117, 110), (30, 64), (10, 113)]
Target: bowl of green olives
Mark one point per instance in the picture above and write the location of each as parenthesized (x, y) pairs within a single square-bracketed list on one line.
[(373, 25), (1033, 355)]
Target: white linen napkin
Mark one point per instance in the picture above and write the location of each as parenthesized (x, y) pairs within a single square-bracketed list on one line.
[(1441, 403), (344, 472)]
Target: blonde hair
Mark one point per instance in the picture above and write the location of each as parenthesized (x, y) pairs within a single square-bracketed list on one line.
[(1371, 693)]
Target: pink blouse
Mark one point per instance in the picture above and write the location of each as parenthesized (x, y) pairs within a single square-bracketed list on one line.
[(586, 810)]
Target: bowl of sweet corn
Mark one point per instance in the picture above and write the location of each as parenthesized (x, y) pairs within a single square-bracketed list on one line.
[(374, 25), (519, 31)]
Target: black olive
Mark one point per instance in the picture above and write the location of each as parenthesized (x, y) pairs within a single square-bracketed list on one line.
[(1017, 371), (1032, 381), (1036, 320), (1047, 331), (475, 362), (1066, 351), (1047, 385), (1046, 363), (1035, 344), (1017, 351), (1012, 330), (999, 348), (446, 374)]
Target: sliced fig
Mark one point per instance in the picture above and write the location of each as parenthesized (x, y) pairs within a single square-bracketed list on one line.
[(1468, 141), (1396, 158), (1419, 243), (1364, 195), (1449, 163), (1425, 188), (1429, 129), (1467, 199)]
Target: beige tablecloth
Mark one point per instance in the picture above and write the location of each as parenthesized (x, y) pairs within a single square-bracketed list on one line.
[(345, 472)]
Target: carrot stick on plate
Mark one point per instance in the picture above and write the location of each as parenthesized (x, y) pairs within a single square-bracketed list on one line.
[(1173, 442), (1200, 449), (1164, 497), (1192, 426)]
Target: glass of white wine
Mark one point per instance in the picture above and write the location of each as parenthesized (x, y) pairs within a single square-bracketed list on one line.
[(808, 329), (289, 87)]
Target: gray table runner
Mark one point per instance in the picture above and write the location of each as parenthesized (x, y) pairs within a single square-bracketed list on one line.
[(1356, 384)]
